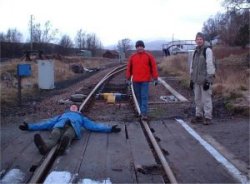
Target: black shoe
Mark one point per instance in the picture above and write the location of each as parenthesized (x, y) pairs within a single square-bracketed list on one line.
[(207, 121), (63, 145), (40, 144), (197, 119), (144, 117)]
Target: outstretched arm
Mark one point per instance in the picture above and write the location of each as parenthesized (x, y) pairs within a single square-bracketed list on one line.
[(42, 125), (96, 127)]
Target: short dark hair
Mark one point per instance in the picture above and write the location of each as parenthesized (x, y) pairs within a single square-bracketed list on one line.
[(200, 34), (139, 43)]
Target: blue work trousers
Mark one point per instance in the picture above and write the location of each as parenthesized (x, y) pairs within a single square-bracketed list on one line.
[(141, 93)]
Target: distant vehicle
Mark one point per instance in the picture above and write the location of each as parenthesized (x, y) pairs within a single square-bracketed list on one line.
[(178, 50)]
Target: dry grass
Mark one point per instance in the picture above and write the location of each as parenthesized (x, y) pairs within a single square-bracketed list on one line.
[(62, 72), (228, 81), (225, 51), (176, 66)]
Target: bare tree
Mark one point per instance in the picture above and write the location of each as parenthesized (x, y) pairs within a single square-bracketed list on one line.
[(210, 29), (12, 35), (43, 35), (2, 37), (36, 33), (66, 42), (48, 34), (80, 39), (234, 30), (232, 27), (93, 43), (124, 45), (243, 36), (236, 4)]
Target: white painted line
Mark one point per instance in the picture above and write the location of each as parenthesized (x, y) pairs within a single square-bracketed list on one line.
[(175, 93), (219, 157)]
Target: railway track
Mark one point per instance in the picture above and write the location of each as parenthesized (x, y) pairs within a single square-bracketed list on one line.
[(158, 151), (41, 171)]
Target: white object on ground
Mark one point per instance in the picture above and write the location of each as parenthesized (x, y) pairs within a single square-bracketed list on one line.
[(13, 176)]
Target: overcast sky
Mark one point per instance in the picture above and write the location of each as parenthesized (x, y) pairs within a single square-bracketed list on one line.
[(112, 20)]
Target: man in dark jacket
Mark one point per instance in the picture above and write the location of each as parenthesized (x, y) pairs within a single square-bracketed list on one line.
[(202, 72), (142, 66), (64, 128)]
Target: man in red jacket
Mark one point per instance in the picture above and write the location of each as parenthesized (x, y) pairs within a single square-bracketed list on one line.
[(142, 66)]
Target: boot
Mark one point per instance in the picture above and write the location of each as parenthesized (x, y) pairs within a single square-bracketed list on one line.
[(197, 119), (207, 121), (40, 144), (63, 144), (144, 117)]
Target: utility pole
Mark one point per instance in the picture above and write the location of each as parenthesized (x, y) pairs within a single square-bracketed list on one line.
[(31, 32)]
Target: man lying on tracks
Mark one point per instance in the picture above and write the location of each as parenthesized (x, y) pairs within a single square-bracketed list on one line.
[(65, 127)]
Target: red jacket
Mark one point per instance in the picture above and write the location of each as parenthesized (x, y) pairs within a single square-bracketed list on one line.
[(142, 67)]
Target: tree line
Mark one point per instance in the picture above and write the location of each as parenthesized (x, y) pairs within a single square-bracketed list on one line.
[(47, 34), (44, 37), (231, 27)]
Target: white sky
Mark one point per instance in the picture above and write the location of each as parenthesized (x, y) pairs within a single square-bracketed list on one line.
[(112, 20)]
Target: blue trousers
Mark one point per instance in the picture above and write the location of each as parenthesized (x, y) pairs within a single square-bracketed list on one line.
[(141, 93)]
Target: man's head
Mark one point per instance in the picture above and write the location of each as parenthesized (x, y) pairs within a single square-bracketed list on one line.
[(139, 45), (200, 39), (73, 108)]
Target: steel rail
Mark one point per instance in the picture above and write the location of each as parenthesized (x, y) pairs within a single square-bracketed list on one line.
[(106, 77), (175, 93), (134, 98), (157, 148), (41, 170)]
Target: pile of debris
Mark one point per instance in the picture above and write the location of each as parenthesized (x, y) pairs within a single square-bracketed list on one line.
[(111, 54)]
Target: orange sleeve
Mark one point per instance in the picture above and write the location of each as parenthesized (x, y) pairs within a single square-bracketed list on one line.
[(154, 67), (129, 69)]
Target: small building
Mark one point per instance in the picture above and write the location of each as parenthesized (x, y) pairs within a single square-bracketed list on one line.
[(85, 53)]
